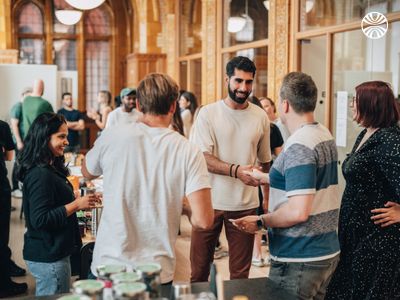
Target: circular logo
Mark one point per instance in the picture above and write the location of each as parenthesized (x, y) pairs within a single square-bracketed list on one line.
[(374, 25)]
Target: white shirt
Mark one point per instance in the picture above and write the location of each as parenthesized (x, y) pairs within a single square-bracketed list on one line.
[(147, 171), (119, 117), (239, 137), (283, 129)]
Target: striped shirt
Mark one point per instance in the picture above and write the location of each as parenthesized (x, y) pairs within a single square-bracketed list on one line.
[(307, 165)]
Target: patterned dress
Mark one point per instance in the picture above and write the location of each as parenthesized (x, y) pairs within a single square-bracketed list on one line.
[(369, 266)]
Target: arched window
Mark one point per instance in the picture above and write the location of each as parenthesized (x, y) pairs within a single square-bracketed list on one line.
[(89, 47), (31, 37), (97, 53)]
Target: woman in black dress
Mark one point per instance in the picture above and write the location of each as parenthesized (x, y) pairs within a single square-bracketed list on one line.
[(369, 266)]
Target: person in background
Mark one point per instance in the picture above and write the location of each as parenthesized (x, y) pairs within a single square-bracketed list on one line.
[(52, 233), (369, 266), (18, 135), (188, 106), (127, 112), (75, 123), (8, 288), (100, 117), (233, 135), (176, 122), (304, 203), (276, 143), (270, 108), (139, 222), (34, 105)]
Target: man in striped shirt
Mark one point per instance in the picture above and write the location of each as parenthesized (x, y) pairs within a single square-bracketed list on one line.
[(304, 201)]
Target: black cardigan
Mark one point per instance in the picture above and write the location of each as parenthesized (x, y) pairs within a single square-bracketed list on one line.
[(50, 235)]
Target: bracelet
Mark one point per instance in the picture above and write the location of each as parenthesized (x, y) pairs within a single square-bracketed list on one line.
[(230, 170), (237, 167)]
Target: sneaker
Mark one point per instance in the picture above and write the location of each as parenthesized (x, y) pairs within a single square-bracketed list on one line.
[(13, 289), (16, 271), (258, 262), (16, 193), (220, 253)]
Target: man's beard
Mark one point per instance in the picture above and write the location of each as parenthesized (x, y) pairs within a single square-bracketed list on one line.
[(239, 100), (128, 108)]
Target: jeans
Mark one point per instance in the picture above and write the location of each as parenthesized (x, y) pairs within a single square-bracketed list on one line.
[(305, 280), (51, 278)]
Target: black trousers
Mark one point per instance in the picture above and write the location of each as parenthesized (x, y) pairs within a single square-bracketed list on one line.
[(14, 173), (5, 251)]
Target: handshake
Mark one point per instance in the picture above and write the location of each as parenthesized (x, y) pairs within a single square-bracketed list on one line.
[(263, 178)]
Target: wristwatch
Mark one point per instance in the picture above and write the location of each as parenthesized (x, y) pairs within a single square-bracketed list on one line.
[(260, 223)]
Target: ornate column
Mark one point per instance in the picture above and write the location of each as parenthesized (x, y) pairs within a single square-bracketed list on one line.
[(5, 25), (278, 45), (209, 51)]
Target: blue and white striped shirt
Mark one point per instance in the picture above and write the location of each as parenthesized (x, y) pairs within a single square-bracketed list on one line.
[(307, 165)]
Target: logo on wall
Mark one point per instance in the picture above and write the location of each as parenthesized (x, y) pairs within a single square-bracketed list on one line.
[(374, 25)]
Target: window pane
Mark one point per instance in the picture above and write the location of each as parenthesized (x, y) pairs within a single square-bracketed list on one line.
[(358, 59), (65, 54), (97, 22), (252, 27), (190, 27), (57, 26), (31, 51), (316, 13), (97, 56), (313, 62), (30, 19), (195, 78), (260, 58)]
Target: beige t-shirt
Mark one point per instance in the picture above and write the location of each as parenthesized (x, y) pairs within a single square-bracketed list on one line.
[(233, 136)]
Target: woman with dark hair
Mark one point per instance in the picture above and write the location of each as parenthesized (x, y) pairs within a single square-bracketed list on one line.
[(369, 266), (188, 105), (49, 204)]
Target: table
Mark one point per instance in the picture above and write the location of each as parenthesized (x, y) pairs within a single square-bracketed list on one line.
[(254, 289)]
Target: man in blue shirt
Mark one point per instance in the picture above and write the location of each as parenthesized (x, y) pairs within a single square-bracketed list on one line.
[(75, 123)]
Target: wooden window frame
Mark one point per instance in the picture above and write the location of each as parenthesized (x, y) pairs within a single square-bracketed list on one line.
[(188, 58), (223, 50), (328, 32)]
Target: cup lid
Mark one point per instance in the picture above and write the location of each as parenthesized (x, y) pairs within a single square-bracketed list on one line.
[(88, 287), (129, 289), (149, 268), (125, 277), (107, 270)]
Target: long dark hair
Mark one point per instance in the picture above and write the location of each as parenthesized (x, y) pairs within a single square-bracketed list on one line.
[(36, 151), (176, 122), (189, 96)]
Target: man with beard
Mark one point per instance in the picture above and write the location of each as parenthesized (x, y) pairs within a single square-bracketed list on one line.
[(233, 135), (126, 113)]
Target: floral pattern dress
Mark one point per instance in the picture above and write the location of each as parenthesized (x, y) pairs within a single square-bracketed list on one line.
[(369, 266)]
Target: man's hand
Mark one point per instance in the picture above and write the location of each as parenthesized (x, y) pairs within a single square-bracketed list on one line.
[(248, 223), (388, 215), (243, 175)]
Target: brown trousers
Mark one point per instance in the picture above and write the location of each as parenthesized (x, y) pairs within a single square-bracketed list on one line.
[(240, 244)]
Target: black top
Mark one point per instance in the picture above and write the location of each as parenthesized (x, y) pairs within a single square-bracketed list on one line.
[(6, 144), (276, 139), (50, 235), (72, 116), (370, 257)]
